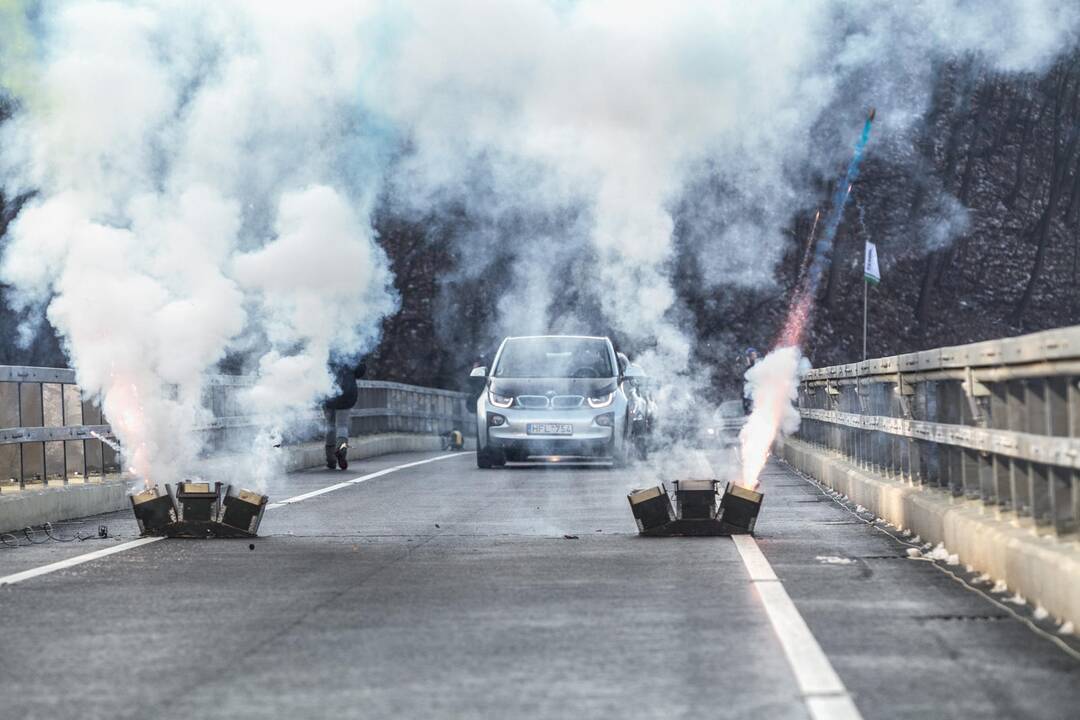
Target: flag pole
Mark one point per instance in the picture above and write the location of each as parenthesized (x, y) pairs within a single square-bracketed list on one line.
[(865, 294)]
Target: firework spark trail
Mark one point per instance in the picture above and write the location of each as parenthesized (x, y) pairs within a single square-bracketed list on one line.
[(773, 383), (809, 251), (823, 251), (111, 443)]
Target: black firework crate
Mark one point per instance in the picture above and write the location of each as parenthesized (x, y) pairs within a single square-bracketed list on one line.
[(154, 509), (695, 499), (739, 508), (198, 501), (651, 508), (243, 509)]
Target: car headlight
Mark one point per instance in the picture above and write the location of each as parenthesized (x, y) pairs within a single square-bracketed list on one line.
[(500, 401), (603, 401), (710, 431)]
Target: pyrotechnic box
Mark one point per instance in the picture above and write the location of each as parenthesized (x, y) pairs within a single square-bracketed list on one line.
[(244, 509), (739, 508), (695, 499), (198, 501), (651, 508), (154, 509)]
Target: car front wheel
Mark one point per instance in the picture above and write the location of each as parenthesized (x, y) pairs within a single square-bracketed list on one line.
[(486, 458)]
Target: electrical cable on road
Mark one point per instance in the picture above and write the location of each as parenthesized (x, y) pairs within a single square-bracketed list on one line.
[(11, 541), (1061, 644)]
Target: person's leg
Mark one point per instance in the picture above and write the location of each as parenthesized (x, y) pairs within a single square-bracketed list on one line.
[(341, 438), (329, 417)]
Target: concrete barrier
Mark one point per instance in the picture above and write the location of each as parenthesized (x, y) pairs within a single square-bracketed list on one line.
[(52, 504), (1039, 566), (65, 502)]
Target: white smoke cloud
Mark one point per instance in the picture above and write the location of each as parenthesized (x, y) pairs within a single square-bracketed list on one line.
[(627, 105), (773, 385), (202, 179), (206, 171)]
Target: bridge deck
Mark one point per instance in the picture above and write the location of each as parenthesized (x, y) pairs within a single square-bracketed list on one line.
[(443, 591)]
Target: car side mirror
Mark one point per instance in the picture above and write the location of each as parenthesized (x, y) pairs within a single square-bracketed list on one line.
[(478, 372)]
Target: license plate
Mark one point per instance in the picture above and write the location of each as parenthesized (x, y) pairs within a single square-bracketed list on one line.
[(549, 429)]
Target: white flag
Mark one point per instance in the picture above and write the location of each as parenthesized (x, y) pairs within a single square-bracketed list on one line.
[(870, 268)]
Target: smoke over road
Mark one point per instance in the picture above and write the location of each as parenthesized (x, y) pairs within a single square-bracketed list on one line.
[(203, 182), (205, 173)]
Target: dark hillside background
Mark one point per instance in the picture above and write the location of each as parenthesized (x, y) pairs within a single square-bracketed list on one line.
[(976, 224), (996, 167)]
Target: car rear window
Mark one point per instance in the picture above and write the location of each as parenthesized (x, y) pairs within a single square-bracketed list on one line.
[(555, 357)]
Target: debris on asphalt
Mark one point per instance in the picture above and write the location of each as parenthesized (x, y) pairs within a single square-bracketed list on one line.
[(570, 537), (251, 546)]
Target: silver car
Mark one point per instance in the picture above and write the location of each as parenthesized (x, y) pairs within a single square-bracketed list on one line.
[(725, 424), (554, 396)]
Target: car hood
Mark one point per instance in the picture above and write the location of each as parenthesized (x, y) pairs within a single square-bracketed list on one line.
[(589, 387)]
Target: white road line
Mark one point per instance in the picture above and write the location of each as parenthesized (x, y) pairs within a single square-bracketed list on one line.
[(358, 480), (77, 560), (825, 695), (97, 554)]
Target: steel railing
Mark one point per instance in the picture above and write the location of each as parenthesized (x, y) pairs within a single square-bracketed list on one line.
[(997, 421), (50, 434)]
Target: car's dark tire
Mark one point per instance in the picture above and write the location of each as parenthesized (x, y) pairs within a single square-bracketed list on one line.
[(486, 458), (641, 447), (620, 459)]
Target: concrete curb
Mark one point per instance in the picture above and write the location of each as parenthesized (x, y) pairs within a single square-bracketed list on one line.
[(1043, 569), (64, 502), (53, 504)]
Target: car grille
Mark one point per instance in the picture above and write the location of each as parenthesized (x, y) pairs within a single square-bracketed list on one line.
[(542, 402)]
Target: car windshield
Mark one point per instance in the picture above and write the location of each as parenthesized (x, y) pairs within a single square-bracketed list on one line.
[(555, 357), (730, 409)]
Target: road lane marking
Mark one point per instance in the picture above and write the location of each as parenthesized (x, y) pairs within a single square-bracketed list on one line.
[(77, 560), (358, 480), (824, 693), (131, 545)]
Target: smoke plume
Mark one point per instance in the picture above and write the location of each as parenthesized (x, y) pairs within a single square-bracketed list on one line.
[(773, 384), (202, 181), (205, 173)]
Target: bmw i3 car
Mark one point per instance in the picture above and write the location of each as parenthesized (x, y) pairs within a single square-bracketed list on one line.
[(555, 396)]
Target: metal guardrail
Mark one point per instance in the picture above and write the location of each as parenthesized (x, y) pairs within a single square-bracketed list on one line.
[(380, 408), (997, 421), (49, 434)]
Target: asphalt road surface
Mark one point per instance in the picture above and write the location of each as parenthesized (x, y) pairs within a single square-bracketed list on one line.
[(442, 591)]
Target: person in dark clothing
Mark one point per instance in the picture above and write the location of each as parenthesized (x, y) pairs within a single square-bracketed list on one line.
[(750, 359), (336, 413)]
